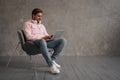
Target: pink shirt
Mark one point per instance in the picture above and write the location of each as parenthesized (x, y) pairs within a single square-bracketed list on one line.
[(33, 30)]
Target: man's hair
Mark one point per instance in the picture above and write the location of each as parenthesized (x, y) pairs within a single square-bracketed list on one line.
[(36, 10)]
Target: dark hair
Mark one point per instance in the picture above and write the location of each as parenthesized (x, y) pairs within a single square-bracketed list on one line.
[(36, 10)]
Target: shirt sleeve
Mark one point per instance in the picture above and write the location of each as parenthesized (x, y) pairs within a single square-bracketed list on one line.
[(45, 31), (28, 32)]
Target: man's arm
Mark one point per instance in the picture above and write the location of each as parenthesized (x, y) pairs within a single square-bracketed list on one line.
[(28, 34), (47, 36)]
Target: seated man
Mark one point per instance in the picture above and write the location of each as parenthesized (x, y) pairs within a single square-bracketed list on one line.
[(36, 32)]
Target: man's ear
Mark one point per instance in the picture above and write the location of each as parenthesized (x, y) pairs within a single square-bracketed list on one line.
[(33, 16)]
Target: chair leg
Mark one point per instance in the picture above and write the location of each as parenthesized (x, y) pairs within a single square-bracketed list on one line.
[(36, 74), (12, 55), (34, 66)]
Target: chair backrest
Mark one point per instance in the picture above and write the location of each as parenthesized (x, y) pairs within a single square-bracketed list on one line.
[(21, 39), (23, 36)]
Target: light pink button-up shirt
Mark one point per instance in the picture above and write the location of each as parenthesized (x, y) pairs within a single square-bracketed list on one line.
[(33, 30)]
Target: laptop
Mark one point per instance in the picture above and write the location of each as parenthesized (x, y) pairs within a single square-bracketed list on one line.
[(57, 34)]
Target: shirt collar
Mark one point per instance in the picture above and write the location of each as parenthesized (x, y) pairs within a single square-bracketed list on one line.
[(35, 22)]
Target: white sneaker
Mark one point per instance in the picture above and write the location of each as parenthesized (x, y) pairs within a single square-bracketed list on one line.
[(54, 69), (57, 65)]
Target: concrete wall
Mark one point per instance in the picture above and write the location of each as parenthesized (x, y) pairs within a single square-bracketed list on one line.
[(92, 27)]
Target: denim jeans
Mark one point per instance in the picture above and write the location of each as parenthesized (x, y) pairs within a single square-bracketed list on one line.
[(56, 44)]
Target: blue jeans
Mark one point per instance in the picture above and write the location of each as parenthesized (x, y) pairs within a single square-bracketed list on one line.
[(56, 44)]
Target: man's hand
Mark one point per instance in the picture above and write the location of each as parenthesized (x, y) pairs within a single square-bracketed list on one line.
[(47, 37)]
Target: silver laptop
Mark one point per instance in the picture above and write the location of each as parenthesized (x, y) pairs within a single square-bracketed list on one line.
[(57, 34)]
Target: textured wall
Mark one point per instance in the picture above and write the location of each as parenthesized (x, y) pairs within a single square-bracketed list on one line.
[(91, 27)]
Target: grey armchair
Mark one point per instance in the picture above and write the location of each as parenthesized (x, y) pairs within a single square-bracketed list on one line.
[(29, 47)]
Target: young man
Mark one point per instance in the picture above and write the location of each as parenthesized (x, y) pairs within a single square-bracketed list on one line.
[(36, 32)]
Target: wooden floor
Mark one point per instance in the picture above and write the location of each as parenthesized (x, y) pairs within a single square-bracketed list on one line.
[(73, 68)]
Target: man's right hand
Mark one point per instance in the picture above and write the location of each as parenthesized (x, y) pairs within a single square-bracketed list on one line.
[(47, 37)]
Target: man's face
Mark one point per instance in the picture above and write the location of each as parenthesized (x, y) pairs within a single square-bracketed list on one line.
[(37, 17)]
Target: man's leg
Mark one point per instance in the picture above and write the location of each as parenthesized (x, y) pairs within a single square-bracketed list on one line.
[(44, 50), (57, 45)]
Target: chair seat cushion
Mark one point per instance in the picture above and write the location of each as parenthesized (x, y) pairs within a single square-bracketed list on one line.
[(31, 48)]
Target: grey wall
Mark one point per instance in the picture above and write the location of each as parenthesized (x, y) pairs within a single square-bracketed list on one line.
[(91, 27)]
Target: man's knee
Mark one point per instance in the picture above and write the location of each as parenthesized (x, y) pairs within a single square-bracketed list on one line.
[(63, 40)]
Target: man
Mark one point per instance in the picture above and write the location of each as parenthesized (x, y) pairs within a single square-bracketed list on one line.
[(36, 32)]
